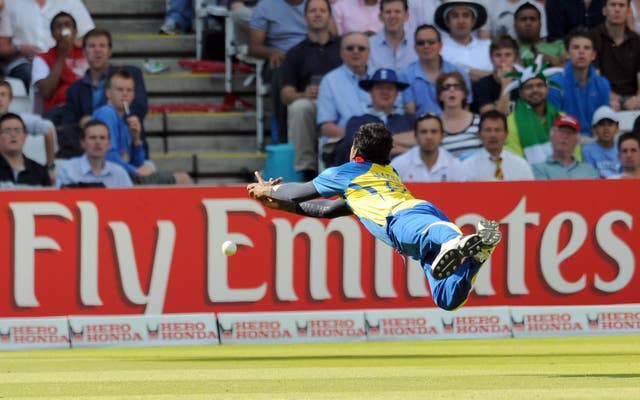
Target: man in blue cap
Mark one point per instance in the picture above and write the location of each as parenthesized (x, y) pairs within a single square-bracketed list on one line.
[(383, 87)]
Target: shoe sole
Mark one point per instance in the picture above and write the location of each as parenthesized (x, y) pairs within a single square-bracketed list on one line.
[(489, 233), (449, 263)]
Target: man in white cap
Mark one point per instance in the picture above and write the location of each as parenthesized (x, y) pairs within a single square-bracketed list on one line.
[(602, 153), (461, 47)]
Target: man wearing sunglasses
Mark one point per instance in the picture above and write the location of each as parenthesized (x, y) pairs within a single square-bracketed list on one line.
[(421, 75), (339, 96)]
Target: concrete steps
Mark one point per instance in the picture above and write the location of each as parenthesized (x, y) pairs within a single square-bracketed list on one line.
[(191, 83), (154, 45), (219, 147), (129, 8), (234, 167), (200, 122), (142, 25)]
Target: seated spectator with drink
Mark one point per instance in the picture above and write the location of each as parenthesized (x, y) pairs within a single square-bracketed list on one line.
[(126, 144)]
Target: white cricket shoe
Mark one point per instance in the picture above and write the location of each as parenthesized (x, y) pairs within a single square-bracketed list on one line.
[(489, 232), (453, 252)]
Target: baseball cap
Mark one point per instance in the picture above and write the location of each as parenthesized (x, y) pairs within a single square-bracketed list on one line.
[(383, 75), (602, 113), (568, 121)]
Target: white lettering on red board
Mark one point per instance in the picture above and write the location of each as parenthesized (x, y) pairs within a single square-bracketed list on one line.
[(516, 223)]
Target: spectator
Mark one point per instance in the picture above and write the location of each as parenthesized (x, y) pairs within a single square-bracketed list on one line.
[(23, 33), (92, 167), (15, 168), (357, 16), (339, 96), (87, 94), (420, 97), (629, 155), (492, 162), (460, 47), (580, 90), (240, 12), (392, 47), (303, 67), (501, 17), (275, 27), (177, 19), (633, 21), (618, 55), (562, 164), (602, 153), (34, 124), (489, 92), (427, 161), (54, 71), (421, 13), (460, 125), (383, 87), (563, 16), (533, 115), (126, 144), (528, 26)]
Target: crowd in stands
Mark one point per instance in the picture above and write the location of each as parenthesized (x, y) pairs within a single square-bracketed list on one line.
[(471, 90), (89, 111)]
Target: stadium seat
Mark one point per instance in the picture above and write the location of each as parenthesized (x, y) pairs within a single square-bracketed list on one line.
[(627, 119), (21, 102), (34, 148)]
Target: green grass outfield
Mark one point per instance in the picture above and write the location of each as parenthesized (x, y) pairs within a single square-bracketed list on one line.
[(555, 368)]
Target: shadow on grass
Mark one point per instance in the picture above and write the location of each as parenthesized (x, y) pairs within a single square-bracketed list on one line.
[(620, 376), (288, 358)]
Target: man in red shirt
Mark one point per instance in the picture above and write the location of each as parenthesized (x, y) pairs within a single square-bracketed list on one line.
[(54, 71)]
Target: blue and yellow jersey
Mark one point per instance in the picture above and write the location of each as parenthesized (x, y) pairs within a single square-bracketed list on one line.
[(372, 191)]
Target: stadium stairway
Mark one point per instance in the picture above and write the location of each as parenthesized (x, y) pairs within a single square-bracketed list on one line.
[(188, 126)]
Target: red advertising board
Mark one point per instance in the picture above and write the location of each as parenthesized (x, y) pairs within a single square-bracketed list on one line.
[(157, 250)]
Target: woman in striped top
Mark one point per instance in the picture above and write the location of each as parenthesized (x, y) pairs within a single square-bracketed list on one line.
[(460, 125)]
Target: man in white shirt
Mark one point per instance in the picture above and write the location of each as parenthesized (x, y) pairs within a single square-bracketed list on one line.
[(426, 161), (461, 46), (492, 162), (392, 47)]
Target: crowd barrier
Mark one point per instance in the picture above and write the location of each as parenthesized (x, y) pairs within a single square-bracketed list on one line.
[(155, 251), (317, 327)]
